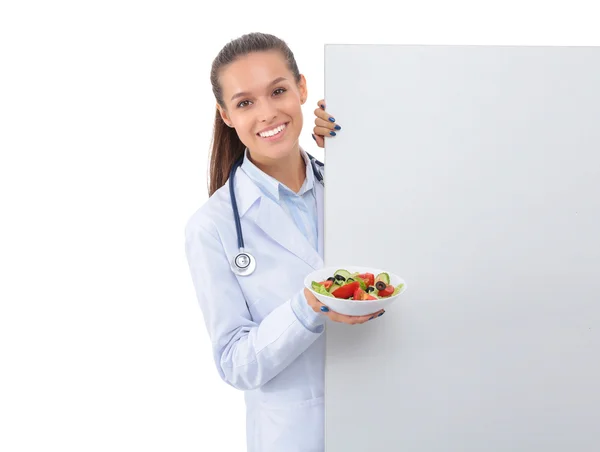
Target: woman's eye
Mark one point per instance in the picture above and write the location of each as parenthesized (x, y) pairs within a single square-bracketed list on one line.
[(277, 92)]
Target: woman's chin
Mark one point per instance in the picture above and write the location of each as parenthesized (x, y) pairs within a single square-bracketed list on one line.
[(278, 150)]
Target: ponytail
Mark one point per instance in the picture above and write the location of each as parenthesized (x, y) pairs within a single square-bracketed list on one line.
[(226, 149)]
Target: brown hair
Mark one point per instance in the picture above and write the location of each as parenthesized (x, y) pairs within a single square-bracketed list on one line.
[(226, 147)]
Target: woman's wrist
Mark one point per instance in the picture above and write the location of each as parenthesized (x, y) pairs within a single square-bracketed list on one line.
[(312, 319)]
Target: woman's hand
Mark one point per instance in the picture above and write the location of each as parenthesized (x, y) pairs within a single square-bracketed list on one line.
[(316, 305), (325, 125)]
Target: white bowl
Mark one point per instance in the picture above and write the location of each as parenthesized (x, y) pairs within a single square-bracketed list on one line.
[(353, 307)]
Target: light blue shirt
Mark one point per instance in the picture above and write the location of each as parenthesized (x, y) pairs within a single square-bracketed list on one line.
[(301, 207)]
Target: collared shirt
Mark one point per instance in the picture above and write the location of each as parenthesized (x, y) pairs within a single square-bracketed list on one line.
[(301, 207)]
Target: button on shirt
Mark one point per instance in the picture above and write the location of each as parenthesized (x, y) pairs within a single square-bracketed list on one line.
[(301, 207)]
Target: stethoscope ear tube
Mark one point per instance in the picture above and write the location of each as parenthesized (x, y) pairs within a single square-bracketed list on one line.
[(244, 263)]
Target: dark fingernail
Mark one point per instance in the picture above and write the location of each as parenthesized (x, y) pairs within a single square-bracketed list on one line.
[(332, 134), (324, 309), (332, 119), (337, 127), (372, 318), (323, 106), (383, 312), (314, 138)]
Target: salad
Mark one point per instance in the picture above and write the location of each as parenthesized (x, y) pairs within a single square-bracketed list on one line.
[(356, 286)]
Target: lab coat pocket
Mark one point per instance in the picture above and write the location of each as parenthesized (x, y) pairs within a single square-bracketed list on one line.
[(298, 427)]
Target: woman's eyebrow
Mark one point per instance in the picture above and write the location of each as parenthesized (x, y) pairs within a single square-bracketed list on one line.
[(274, 82)]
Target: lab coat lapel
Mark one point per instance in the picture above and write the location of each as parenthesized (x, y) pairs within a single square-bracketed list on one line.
[(272, 219)]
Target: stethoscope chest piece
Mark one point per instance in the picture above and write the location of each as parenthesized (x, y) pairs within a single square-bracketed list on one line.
[(243, 263)]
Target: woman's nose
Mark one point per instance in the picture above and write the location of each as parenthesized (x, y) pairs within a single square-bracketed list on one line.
[(266, 111)]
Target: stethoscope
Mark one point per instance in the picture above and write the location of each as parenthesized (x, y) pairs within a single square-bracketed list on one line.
[(244, 263)]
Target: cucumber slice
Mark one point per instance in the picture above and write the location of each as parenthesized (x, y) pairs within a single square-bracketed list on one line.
[(345, 273), (333, 287), (398, 289), (383, 277), (373, 293)]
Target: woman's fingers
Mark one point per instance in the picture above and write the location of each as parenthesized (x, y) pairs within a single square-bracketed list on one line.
[(322, 114), (317, 306), (349, 319), (322, 130), (324, 120), (353, 320), (325, 125)]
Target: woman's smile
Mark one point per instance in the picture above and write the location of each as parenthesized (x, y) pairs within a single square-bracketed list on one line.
[(273, 133)]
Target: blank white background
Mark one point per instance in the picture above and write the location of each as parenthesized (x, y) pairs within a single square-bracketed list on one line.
[(106, 113)]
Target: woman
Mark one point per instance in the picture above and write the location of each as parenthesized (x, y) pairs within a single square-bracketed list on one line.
[(266, 328)]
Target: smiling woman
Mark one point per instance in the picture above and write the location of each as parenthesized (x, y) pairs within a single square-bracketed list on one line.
[(266, 328), (259, 92)]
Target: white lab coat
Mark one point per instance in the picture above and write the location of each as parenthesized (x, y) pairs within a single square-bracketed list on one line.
[(258, 343)]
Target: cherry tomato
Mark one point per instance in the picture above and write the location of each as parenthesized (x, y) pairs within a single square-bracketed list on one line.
[(389, 289)]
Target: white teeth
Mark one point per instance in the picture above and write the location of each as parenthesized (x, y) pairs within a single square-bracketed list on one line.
[(270, 133)]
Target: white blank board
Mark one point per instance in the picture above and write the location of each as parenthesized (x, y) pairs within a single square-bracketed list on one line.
[(474, 173)]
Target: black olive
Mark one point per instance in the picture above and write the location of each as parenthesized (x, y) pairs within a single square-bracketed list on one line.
[(331, 278), (370, 289), (380, 285), (340, 278), (350, 279)]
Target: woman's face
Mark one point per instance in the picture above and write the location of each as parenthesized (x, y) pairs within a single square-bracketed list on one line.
[(263, 104)]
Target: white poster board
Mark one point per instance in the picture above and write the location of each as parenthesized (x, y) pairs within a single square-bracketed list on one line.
[(474, 174)]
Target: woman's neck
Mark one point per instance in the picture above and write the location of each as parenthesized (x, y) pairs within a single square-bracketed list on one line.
[(290, 171)]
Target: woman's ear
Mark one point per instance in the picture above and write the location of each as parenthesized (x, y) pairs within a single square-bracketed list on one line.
[(224, 115), (303, 89)]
